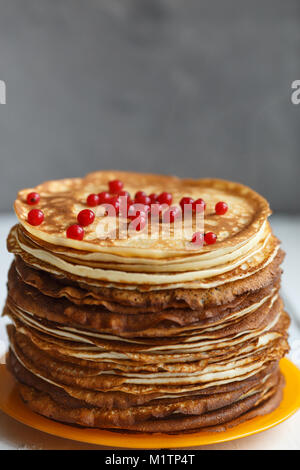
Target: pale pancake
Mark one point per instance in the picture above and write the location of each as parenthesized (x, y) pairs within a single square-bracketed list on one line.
[(61, 201), (189, 262), (261, 256)]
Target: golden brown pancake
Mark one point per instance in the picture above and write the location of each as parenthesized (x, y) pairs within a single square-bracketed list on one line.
[(164, 323), (197, 405), (60, 286), (249, 407)]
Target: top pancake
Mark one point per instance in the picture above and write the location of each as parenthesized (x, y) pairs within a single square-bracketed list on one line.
[(61, 200)]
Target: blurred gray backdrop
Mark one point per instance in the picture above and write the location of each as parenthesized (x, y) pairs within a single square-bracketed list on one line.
[(187, 87)]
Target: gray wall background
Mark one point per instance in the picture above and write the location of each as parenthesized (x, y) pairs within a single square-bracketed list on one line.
[(189, 87)]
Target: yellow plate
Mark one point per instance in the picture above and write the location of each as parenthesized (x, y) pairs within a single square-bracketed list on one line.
[(11, 403)]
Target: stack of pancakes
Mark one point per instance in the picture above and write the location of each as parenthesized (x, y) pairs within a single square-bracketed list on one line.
[(144, 334)]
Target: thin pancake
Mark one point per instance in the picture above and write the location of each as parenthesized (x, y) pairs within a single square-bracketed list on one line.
[(153, 301), (61, 201), (258, 403)]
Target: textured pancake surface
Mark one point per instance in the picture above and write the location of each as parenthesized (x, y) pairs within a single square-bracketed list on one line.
[(61, 200), (143, 335)]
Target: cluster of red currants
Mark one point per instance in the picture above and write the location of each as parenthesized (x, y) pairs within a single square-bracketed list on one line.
[(140, 207)]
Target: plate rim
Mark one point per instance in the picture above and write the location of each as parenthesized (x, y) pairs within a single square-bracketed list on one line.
[(12, 405)]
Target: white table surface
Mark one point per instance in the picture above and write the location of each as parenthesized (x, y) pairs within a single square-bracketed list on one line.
[(14, 435)]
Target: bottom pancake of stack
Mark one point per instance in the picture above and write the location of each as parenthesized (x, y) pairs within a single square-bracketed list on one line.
[(198, 361)]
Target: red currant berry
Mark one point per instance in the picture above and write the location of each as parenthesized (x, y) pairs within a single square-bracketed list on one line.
[(198, 239), (115, 186), (124, 193), (75, 232), (165, 198), (221, 208), (142, 198), (210, 238), (153, 198), (33, 198), (92, 200), (85, 217), (146, 200), (103, 197), (199, 205), (186, 200), (171, 214), (35, 217), (139, 194)]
